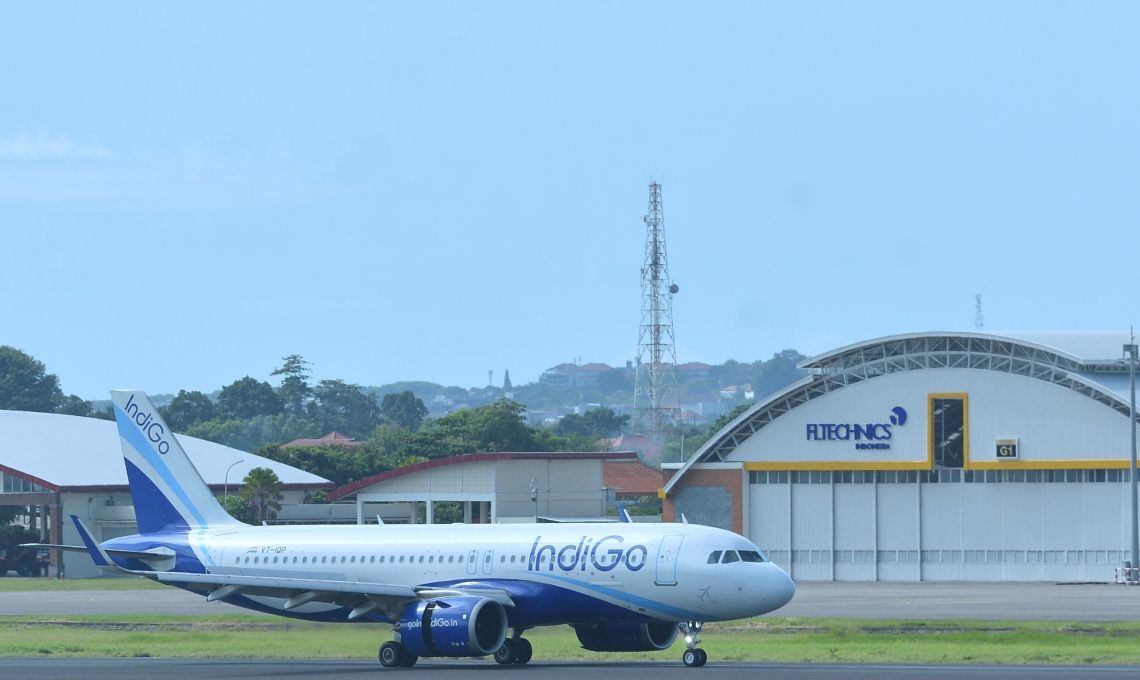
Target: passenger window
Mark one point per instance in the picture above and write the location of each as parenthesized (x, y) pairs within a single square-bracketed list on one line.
[(730, 556), (714, 557), (353, 560), (342, 559), (324, 559), (751, 556), (401, 559), (421, 559)]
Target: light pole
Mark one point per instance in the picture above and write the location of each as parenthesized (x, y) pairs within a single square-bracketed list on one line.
[(226, 482), (1130, 351), (534, 497)]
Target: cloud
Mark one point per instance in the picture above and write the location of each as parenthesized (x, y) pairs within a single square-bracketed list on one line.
[(38, 147)]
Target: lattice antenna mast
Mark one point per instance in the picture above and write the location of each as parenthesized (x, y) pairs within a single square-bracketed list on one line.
[(979, 320), (655, 395)]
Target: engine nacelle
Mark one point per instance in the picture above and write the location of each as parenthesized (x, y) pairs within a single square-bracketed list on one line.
[(626, 637), (456, 626)]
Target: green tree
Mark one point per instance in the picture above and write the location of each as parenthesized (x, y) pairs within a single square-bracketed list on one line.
[(294, 390), (188, 408), (73, 405), (344, 407), (404, 409), (261, 490), (597, 422), (778, 372), (246, 398), (25, 384), (495, 427), (238, 508)]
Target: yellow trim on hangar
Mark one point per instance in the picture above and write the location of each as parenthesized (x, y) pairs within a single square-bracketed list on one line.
[(1068, 464)]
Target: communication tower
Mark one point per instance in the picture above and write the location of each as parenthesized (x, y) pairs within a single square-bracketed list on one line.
[(655, 394), (978, 319)]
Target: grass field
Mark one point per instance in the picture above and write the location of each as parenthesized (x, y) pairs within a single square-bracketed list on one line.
[(790, 640), (768, 639)]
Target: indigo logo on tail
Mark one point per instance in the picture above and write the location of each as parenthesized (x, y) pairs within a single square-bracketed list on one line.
[(898, 416), (151, 428)]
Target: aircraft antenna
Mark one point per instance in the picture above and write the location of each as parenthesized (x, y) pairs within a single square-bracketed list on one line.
[(656, 400)]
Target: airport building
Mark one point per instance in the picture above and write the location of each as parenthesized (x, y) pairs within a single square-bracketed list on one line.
[(931, 456), (506, 487), (55, 466)]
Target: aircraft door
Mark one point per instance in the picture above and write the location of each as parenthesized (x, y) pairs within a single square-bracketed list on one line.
[(472, 562), (667, 553), (488, 562)]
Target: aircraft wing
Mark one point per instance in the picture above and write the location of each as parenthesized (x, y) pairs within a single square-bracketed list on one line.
[(362, 597)]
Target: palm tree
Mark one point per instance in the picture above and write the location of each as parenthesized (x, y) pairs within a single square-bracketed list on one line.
[(261, 489)]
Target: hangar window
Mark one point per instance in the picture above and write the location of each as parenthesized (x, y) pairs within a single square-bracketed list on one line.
[(948, 430)]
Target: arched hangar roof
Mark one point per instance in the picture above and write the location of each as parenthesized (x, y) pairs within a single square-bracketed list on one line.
[(70, 453), (1087, 362)]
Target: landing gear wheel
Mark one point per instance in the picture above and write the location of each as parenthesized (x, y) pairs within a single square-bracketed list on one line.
[(694, 657), (522, 651), (392, 654), (506, 654)]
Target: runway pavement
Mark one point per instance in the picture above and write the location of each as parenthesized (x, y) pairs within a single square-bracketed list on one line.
[(991, 601), (175, 669)]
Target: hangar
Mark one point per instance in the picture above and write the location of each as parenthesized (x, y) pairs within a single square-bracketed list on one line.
[(59, 466), (931, 456)]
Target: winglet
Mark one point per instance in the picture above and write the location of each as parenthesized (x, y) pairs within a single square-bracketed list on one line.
[(623, 514), (98, 555)]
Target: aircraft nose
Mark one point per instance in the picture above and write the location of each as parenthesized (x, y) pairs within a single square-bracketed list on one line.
[(781, 588), (786, 589)]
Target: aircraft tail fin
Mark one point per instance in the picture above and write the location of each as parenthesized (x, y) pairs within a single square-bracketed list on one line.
[(166, 488)]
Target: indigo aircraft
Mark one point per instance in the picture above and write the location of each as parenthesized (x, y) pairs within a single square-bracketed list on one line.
[(446, 590)]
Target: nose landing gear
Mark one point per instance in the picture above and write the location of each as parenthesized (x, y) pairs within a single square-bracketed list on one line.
[(694, 657)]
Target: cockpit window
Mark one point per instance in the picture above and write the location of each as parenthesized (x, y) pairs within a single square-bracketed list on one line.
[(730, 556), (714, 557), (751, 556)]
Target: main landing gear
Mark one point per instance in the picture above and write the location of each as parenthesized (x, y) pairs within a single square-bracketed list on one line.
[(694, 657), (393, 654), (516, 651)]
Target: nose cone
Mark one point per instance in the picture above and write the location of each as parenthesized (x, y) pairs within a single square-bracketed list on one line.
[(778, 588), (784, 589)]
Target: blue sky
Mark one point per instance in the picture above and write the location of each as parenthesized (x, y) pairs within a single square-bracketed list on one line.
[(425, 191)]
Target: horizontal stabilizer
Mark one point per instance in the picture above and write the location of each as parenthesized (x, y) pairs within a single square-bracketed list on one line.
[(54, 546)]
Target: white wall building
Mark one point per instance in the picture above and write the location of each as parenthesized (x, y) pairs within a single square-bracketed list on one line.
[(496, 487), (931, 456)]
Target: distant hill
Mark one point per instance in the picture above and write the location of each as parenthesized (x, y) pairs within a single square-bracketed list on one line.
[(707, 390)]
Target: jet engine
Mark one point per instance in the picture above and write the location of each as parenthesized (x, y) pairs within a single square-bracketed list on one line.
[(626, 637), (456, 626)]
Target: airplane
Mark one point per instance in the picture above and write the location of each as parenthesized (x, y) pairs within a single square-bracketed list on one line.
[(446, 590)]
